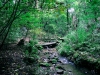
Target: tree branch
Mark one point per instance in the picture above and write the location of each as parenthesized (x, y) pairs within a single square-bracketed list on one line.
[(12, 18), (13, 13)]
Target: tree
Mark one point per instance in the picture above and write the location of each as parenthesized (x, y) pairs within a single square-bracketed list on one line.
[(11, 10)]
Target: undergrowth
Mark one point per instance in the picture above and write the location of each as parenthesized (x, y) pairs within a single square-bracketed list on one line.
[(32, 56), (81, 47)]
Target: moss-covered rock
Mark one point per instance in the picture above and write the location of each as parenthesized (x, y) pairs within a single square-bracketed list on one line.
[(60, 67), (44, 65), (53, 61)]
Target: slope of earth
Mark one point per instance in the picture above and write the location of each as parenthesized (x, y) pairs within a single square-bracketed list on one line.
[(11, 61)]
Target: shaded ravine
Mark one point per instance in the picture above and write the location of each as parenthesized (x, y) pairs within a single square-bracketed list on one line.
[(51, 63)]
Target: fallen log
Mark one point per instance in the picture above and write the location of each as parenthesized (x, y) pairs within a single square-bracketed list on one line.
[(49, 45), (53, 39)]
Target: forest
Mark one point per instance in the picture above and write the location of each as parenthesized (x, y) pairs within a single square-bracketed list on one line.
[(49, 37)]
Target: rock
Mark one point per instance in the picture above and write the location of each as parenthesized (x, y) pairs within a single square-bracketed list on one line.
[(60, 67), (44, 64), (21, 42), (52, 68), (56, 58), (53, 61), (46, 60), (53, 55), (70, 70), (46, 53), (63, 60), (59, 61), (70, 73), (59, 71)]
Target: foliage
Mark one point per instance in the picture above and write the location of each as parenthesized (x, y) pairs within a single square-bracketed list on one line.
[(65, 49), (84, 26), (75, 40), (75, 20), (31, 52)]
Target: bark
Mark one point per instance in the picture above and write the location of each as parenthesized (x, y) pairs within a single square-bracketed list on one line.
[(37, 4), (67, 17), (11, 17), (42, 4)]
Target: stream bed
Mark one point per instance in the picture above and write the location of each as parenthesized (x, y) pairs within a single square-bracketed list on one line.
[(51, 63), (72, 69)]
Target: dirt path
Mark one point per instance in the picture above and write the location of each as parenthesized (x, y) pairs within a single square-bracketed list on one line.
[(11, 61)]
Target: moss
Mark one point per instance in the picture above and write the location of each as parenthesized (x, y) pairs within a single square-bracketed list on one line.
[(60, 67), (92, 60), (44, 64), (53, 61), (75, 55), (63, 53)]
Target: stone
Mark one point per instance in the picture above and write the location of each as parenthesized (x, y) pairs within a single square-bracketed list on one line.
[(59, 71), (53, 61), (70, 73), (46, 60), (59, 61), (21, 42), (44, 64), (60, 67), (63, 60)]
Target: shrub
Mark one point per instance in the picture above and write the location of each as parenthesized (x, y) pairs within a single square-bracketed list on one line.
[(73, 40), (31, 52)]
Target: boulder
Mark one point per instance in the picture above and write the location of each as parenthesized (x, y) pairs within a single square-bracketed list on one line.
[(60, 71)]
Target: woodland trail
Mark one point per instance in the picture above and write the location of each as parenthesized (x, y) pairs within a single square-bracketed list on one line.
[(11, 61)]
